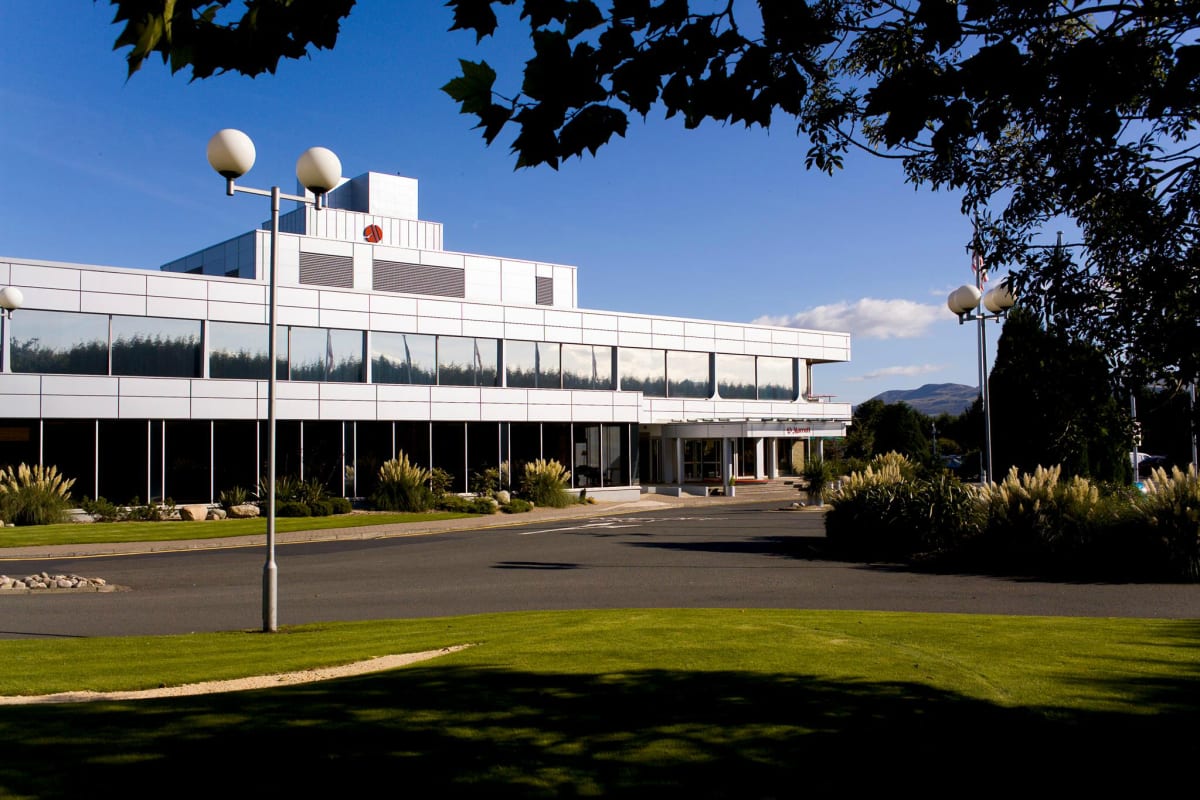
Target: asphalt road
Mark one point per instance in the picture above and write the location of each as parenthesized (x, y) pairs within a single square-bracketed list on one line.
[(710, 557)]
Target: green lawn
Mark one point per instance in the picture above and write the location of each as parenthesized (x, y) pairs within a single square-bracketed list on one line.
[(705, 703), (113, 532)]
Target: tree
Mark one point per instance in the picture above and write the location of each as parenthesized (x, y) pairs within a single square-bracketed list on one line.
[(1052, 403), (901, 428), (1036, 111), (879, 428)]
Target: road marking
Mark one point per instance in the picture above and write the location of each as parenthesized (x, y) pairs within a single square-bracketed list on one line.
[(606, 525)]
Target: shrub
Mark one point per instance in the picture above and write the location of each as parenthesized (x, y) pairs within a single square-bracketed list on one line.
[(879, 514), (482, 505), (310, 491), (233, 496), (320, 508), (517, 506), (490, 481), (454, 503), (1170, 512), (137, 511), (286, 488), (101, 510), (292, 508), (36, 495), (440, 481), (545, 483), (402, 486), (341, 505)]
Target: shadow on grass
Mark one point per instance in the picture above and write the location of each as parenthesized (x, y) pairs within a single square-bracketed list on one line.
[(488, 732)]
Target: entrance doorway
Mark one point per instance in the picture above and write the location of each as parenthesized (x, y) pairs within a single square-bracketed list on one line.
[(702, 459)]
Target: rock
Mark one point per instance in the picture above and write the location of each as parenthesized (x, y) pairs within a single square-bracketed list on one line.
[(216, 513), (193, 513), (244, 511), (503, 497)]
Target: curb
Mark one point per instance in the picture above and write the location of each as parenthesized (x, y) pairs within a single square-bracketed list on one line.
[(388, 531)]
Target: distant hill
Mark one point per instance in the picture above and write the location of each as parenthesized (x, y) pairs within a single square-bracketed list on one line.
[(933, 398)]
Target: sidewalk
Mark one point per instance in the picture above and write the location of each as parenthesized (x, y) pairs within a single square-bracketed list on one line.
[(648, 502)]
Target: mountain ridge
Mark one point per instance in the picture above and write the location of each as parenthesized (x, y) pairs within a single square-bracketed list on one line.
[(933, 398)]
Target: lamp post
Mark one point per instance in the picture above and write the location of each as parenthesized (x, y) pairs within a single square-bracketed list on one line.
[(231, 154), (10, 300), (964, 302)]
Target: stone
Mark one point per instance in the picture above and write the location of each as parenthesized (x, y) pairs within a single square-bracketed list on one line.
[(216, 513), (503, 497), (193, 513), (244, 511)]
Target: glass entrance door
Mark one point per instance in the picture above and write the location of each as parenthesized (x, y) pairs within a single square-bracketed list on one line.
[(747, 458), (701, 459)]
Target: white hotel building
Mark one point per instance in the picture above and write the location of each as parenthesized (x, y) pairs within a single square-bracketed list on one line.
[(154, 384)]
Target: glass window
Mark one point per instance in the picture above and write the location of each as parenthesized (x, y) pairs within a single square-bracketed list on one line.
[(587, 366), (616, 459), (532, 365), (467, 361), (156, 346), (403, 358), (586, 469), (688, 374), (239, 350), (776, 378), (735, 377), (643, 371), (325, 354), (59, 341)]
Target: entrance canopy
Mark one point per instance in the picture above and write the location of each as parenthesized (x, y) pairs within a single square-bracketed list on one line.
[(767, 428)]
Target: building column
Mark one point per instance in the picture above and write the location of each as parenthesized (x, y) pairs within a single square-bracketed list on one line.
[(727, 466), (760, 470), (772, 458), (678, 465)]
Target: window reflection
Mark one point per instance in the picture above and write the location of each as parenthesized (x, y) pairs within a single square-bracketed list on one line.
[(735, 377), (408, 358), (155, 346), (532, 365), (586, 366), (59, 342), (467, 361), (643, 371), (238, 350), (776, 378), (325, 354), (688, 374)]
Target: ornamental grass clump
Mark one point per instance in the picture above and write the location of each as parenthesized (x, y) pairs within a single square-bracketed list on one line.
[(545, 483), (1170, 515), (402, 486), (37, 495), (884, 513), (1038, 521)]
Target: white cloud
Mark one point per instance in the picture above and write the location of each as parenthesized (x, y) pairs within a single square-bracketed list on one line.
[(868, 317), (887, 372)]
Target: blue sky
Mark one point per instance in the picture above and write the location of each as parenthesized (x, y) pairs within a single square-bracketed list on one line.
[(720, 223)]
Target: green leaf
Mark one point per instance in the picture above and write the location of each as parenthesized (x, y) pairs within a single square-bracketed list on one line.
[(472, 89)]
